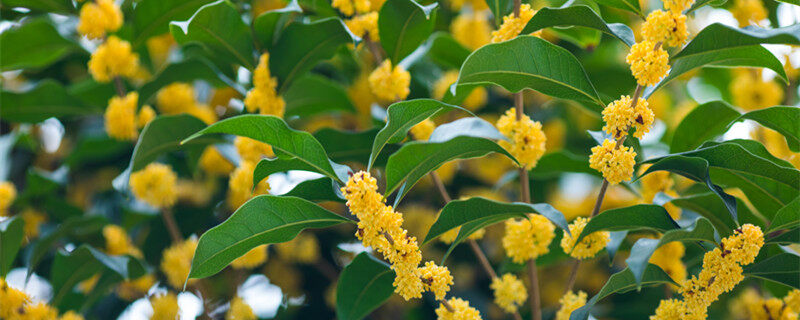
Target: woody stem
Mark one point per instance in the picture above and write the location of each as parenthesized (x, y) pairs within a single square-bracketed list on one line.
[(172, 225)]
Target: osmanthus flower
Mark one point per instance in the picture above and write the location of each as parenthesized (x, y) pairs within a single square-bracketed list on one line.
[(33, 220), (669, 309), (240, 185), (131, 290), (475, 99), (771, 309), (214, 163), (751, 92), (422, 131), (165, 307), (475, 5), (668, 258), (678, 6), (616, 164), (527, 239), (589, 246), (8, 193), (146, 114), (120, 117), (461, 311), (528, 141), (252, 150), (11, 300), (175, 98), (364, 25), (513, 25), (176, 261), (666, 27), (159, 48), (156, 185), (37, 311), (570, 302), (71, 315), (114, 58), (436, 279), (620, 115), (472, 30), (240, 310), (509, 292), (99, 17), (648, 63), (792, 300), (749, 12), (118, 242), (302, 249), (389, 83), (253, 258), (351, 7), (264, 97)]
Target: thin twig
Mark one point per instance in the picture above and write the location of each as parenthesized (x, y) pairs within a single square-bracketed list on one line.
[(573, 274), (536, 303), (482, 258), (440, 186), (600, 196), (172, 225), (118, 85), (517, 4)]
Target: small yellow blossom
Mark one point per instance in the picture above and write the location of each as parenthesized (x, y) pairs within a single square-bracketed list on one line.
[(476, 99), (620, 115), (159, 48), (240, 310), (252, 150), (302, 249), (569, 303), (165, 307), (240, 185), (204, 113), (175, 98), (749, 12), (38, 311), (423, 130), (251, 259), (513, 25), (351, 7), (71, 315), (11, 300), (33, 220), (589, 246), (262, 6), (176, 262), (118, 242), (120, 117), (472, 30), (792, 300), (437, 279), (509, 292), (130, 290), (678, 6), (263, 96), (648, 63), (666, 27), (389, 84), (527, 239), (146, 114), (616, 164), (8, 193), (365, 25), (527, 138), (669, 309), (212, 162), (99, 17), (113, 58), (156, 185), (475, 5), (751, 92), (668, 257), (461, 311)]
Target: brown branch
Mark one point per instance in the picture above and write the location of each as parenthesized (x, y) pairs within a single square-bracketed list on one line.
[(535, 300), (573, 274), (440, 186), (482, 258), (172, 225), (119, 86)]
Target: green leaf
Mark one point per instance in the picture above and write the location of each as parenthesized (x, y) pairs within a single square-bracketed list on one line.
[(73, 227), (33, 44), (577, 16), (781, 268), (186, 71), (701, 3), (152, 17), (268, 25), (312, 95), (11, 233), (345, 146), (416, 159), (275, 132), (781, 119), (643, 249), (262, 220), (785, 238), (219, 29), (266, 167), (787, 217), (401, 116), (510, 64), (303, 45), (47, 99), (364, 285), (322, 189), (403, 25), (621, 282), (164, 134), (627, 5), (637, 217), (70, 268), (446, 51), (703, 123), (56, 6), (554, 163), (718, 36), (500, 9)]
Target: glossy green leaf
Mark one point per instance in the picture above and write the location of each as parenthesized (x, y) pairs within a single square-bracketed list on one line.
[(511, 64), (627, 5), (152, 17), (219, 29), (321, 189), (403, 25), (446, 51), (164, 134), (781, 119), (73, 227), (578, 16), (643, 249), (47, 99), (262, 220), (364, 285), (787, 217), (554, 163), (781, 268), (33, 44), (266, 167), (268, 25), (70, 268), (703, 123), (56, 6), (11, 232), (185, 71), (355, 146), (637, 217), (500, 9), (313, 95), (701, 3), (401, 116), (785, 238), (275, 132), (303, 45), (621, 282), (717, 37)]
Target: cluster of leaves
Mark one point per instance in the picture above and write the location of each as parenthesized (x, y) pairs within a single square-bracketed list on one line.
[(82, 183)]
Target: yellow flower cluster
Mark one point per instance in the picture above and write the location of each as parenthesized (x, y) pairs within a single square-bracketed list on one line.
[(751, 92), (351, 7), (263, 96), (179, 98), (302, 249), (749, 11), (159, 48), (422, 131), (33, 219), (16, 305), (121, 120), (476, 99), (176, 261), (240, 310), (513, 25), (775, 143), (666, 27), (251, 259), (130, 290), (165, 307), (678, 6), (461, 311), (589, 246), (240, 185), (99, 17), (118, 242), (722, 271), (509, 292), (364, 25), (156, 185), (214, 163), (8, 193), (476, 5), (620, 115), (569, 303), (648, 63), (436, 279), (668, 257), (751, 306), (527, 239), (655, 182), (389, 84), (527, 138), (472, 30), (114, 58), (616, 164), (252, 150), (11, 300)]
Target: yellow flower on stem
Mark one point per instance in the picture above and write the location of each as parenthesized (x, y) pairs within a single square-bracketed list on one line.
[(176, 261), (351, 7), (175, 98), (165, 307), (436, 279), (570, 302), (156, 184), (389, 84), (527, 239), (120, 117), (648, 63), (364, 25), (461, 311), (589, 246), (527, 139), (114, 58), (118, 242), (678, 6), (509, 292), (264, 97), (240, 185), (472, 30), (616, 164), (513, 25), (620, 116), (99, 17), (666, 27)]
